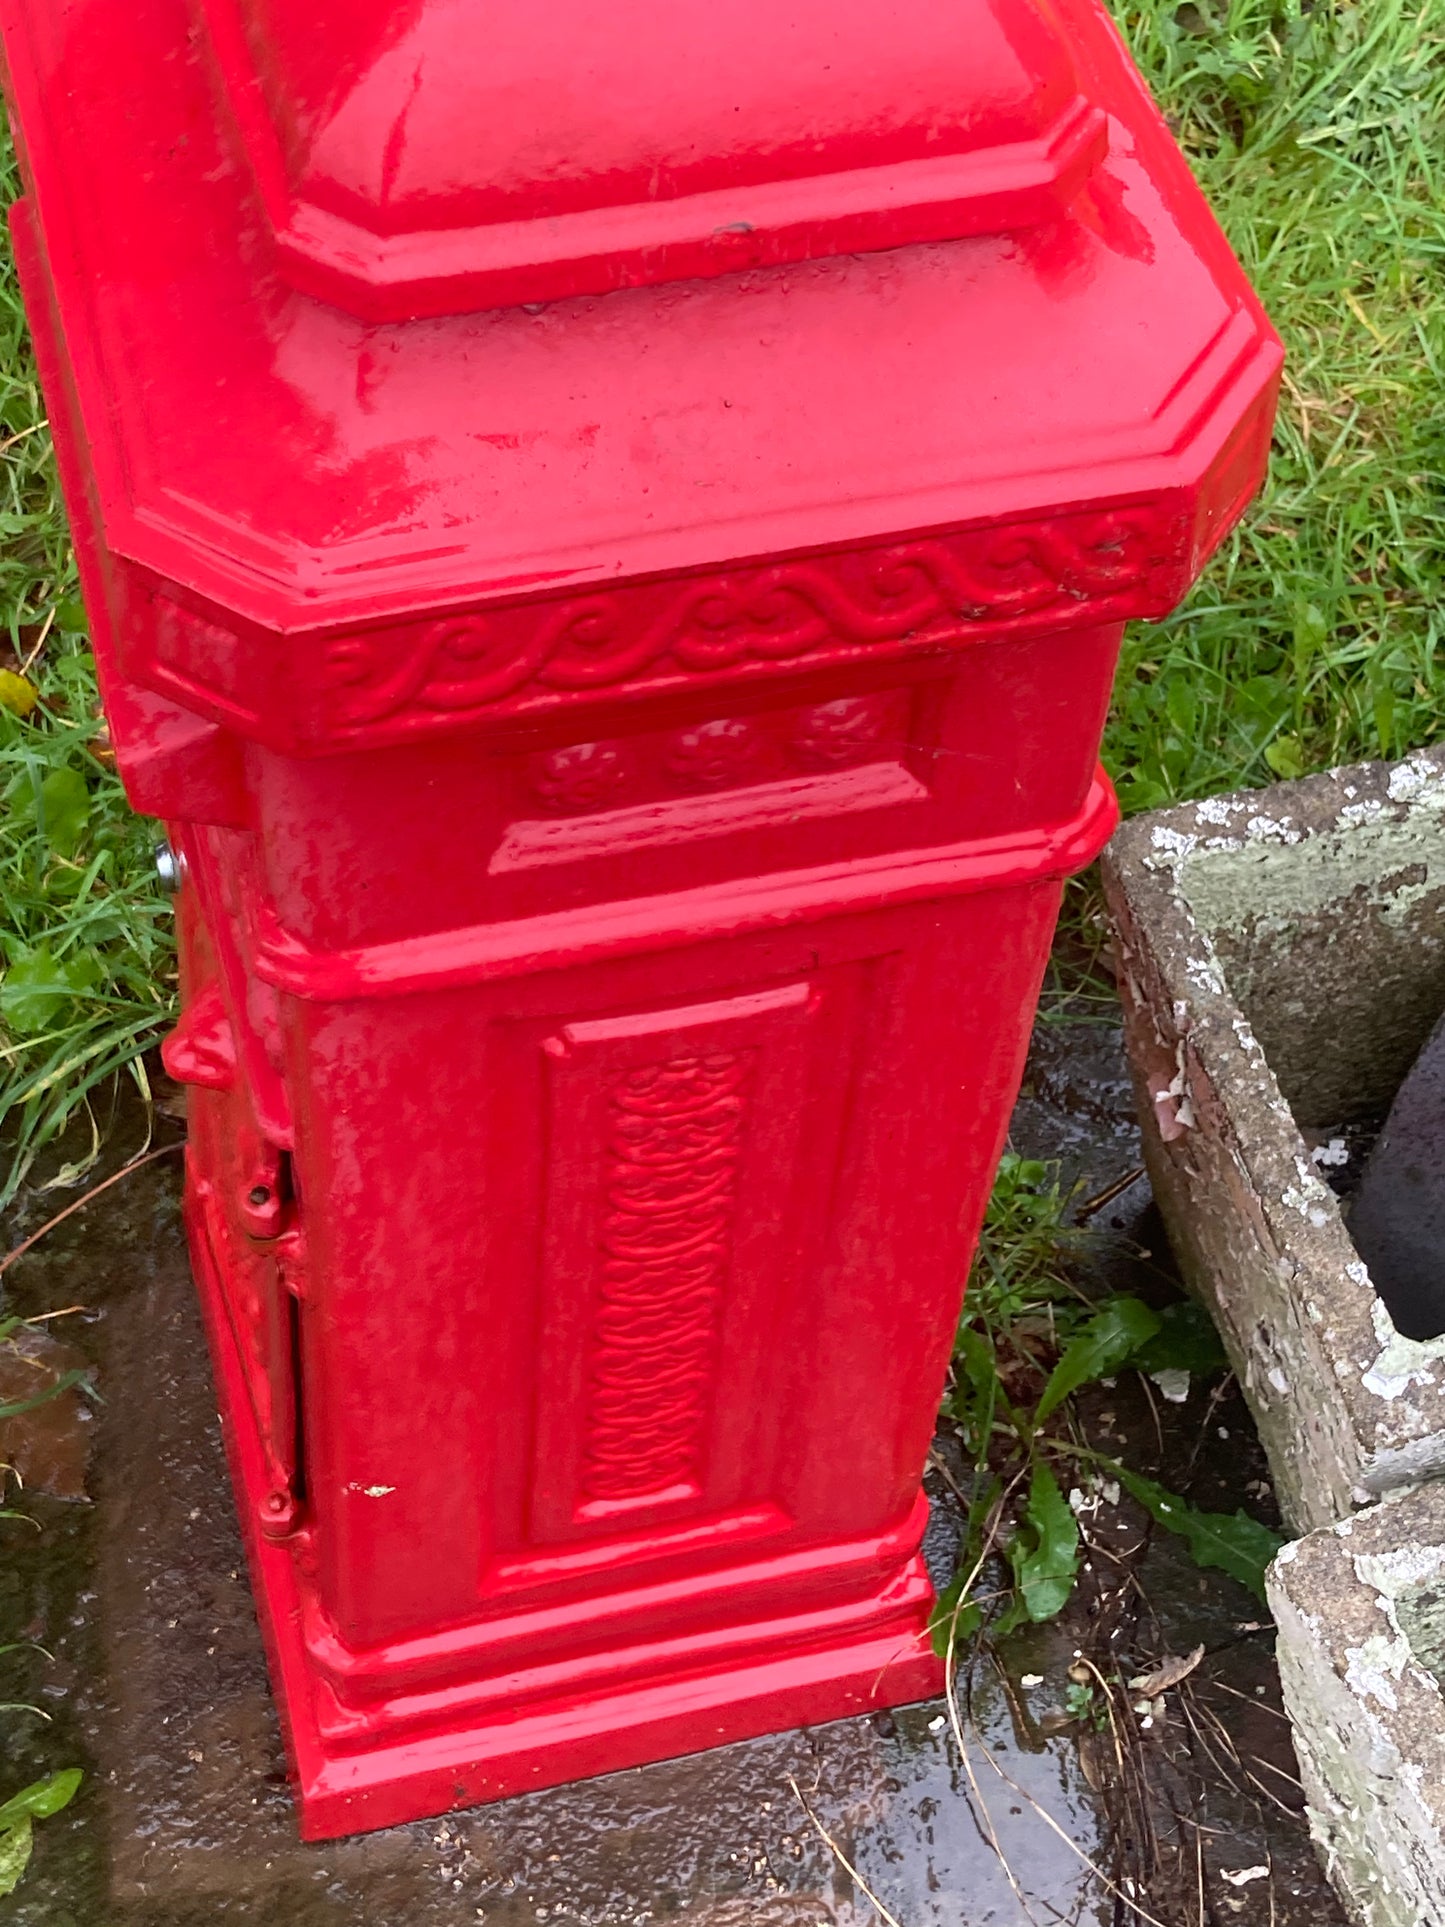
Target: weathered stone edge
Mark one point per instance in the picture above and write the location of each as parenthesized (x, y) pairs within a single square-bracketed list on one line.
[(1314, 1348), (1368, 1717)]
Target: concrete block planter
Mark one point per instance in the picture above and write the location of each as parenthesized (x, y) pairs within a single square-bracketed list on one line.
[(1361, 1613), (1282, 959)]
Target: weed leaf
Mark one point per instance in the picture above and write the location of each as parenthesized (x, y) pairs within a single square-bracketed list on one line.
[(1186, 1341), (955, 1620), (17, 1816), (15, 1844), (65, 809), (1109, 1339), (976, 1393), (17, 693), (42, 1797), (1045, 1573), (37, 987), (1232, 1541)]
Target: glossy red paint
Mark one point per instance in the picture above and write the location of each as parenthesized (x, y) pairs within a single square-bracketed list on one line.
[(442, 157), (625, 749)]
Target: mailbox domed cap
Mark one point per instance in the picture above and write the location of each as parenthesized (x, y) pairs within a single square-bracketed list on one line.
[(445, 155)]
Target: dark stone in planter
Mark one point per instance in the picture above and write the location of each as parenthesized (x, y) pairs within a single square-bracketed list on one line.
[(1398, 1217)]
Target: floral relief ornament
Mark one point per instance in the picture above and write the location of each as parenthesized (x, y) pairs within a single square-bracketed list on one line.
[(582, 776)]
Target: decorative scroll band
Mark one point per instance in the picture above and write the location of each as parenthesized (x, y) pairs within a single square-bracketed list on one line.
[(671, 1184), (1110, 563)]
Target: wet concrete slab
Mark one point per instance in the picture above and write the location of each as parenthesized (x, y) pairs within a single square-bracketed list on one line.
[(681, 1840), (157, 1682)]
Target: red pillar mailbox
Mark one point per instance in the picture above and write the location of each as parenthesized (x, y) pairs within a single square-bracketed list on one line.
[(607, 532)]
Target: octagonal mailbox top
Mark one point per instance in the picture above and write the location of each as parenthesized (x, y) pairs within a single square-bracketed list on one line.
[(424, 364), (444, 155)]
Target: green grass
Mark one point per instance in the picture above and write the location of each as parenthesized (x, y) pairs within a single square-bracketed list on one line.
[(86, 938), (1319, 136), (1312, 640)]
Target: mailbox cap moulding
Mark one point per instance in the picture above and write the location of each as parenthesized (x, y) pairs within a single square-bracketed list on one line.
[(443, 156), (357, 313)]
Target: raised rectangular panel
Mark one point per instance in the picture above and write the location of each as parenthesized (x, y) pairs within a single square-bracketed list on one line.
[(534, 843), (673, 1140)]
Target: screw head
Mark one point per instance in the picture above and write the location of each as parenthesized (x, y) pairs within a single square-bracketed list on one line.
[(170, 867)]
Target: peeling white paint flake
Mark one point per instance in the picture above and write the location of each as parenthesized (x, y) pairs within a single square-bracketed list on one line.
[(1175, 842), (1272, 828), (1333, 1154), (1215, 809), (1354, 814), (1419, 779), (1311, 1199), (1241, 1876), (1402, 1362), (1372, 1668), (1204, 973), (1173, 1382), (370, 1491), (1248, 1042), (1303, 1172), (1184, 1117)]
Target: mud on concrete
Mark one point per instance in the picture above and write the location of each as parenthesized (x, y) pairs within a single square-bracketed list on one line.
[(157, 1684)]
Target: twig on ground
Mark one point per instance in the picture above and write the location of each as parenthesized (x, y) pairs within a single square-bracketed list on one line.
[(981, 1810), (1096, 1204), (28, 1244), (1073, 1846), (1249, 1699), (889, 1919), (1269, 1766)]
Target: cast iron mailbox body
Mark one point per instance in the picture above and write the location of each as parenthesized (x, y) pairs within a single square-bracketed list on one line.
[(607, 532)]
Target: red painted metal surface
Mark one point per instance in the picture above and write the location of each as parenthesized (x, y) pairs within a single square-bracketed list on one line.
[(452, 156), (625, 750)]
